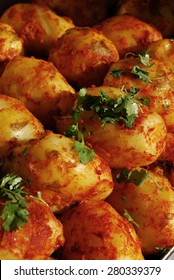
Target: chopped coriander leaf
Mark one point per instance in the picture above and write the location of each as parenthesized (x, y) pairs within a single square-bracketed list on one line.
[(108, 110), (144, 100), (14, 213), (85, 154), (136, 177), (166, 107), (133, 90), (116, 73), (141, 73), (130, 219), (71, 131)]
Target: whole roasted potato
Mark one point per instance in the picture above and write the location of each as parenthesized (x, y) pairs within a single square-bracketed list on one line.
[(153, 80), (129, 34), (37, 239), (95, 231), (53, 167), (83, 56), (39, 85), (37, 25), (163, 50), (82, 12), (120, 129), (10, 44), (147, 199), (158, 13), (17, 124)]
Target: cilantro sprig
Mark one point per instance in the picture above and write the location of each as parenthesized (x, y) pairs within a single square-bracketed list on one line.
[(134, 176), (85, 154), (14, 213)]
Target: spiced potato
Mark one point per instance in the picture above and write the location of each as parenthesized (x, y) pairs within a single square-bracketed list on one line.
[(95, 231), (10, 43), (37, 239), (120, 129), (83, 56), (17, 124), (153, 79), (53, 167), (37, 25), (149, 204), (39, 85), (128, 33)]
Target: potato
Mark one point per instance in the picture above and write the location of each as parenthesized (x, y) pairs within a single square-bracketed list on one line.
[(83, 56), (17, 124), (163, 50), (128, 33), (158, 89), (95, 231), (10, 44), (39, 85), (82, 12), (37, 240), (151, 206), (158, 13), (53, 168), (37, 25), (119, 145)]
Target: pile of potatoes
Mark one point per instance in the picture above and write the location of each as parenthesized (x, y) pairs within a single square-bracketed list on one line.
[(50, 53)]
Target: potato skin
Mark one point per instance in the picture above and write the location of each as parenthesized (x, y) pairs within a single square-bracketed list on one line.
[(125, 147), (83, 56), (53, 168), (37, 25), (39, 85), (10, 44), (129, 34), (20, 125), (37, 240), (151, 205), (95, 231)]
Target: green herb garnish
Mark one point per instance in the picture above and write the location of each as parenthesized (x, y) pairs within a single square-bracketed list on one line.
[(123, 109), (144, 100), (141, 73), (14, 213), (116, 73), (130, 219), (135, 176), (144, 58), (137, 71)]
